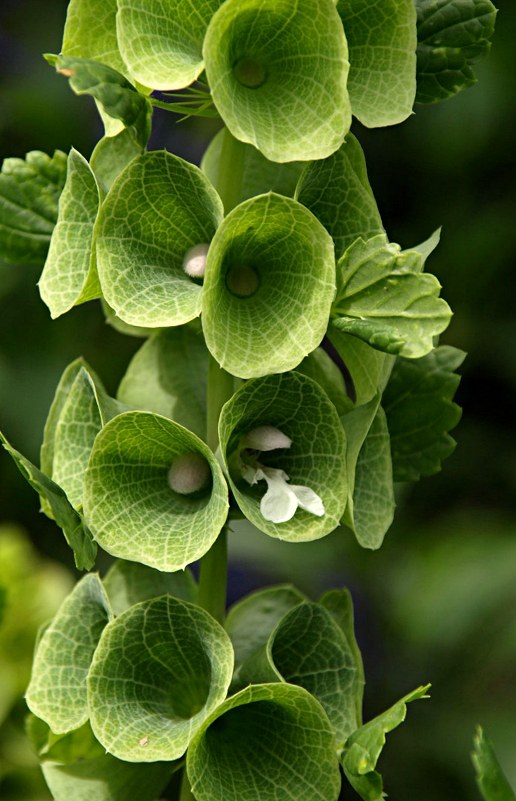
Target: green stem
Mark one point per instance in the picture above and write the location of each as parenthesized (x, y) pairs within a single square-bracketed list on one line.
[(186, 790), (230, 171), (214, 565)]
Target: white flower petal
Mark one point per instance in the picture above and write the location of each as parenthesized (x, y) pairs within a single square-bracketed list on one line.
[(308, 500), (279, 503)]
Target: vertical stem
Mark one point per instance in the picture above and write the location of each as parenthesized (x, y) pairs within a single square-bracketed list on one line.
[(186, 791), (213, 575), (230, 169)]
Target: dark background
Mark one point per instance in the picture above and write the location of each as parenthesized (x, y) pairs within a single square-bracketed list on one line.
[(437, 602)]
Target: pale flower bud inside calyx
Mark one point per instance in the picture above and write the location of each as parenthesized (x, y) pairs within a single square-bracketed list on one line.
[(194, 262), (189, 473), (266, 438)]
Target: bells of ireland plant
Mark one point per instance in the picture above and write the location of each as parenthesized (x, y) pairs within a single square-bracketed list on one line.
[(154, 492), (285, 453), (158, 210), (277, 70), (268, 287), (159, 670), (275, 737)]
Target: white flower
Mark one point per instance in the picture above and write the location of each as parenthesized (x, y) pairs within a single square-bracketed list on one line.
[(281, 500), (194, 263)]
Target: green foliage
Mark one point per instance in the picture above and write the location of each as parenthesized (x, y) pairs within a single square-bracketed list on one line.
[(451, 37), (29, 195), (311, 383), (490, 779), (363, 748)]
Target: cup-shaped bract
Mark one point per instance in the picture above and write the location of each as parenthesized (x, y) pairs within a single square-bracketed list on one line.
[(268, 288), (299, 408), (158, 208), (129, 502), (270, 742), (159, 670), (161, 43), (278, 71)]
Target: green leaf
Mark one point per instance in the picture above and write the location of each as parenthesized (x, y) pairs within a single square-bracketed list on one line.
[(490, 779), (373, 495), (368, 369), (128, 583), (117, 98), (255, 174), (299, 408), (168, 376), (176, 668), (69, 276), (90, 32), (29, 195), (76, 533), (161, 43), (338, 192), (382, 43), (277, 73), (451, 37), (251, 620), (111, 155), (309, 649), (267, 742), (57, 689), (157, 210), (321, 367), (117, 324), (268, 287), (420, 412), (340, 606), (129, 504), (86, 409), (385, 300), (365, 745)]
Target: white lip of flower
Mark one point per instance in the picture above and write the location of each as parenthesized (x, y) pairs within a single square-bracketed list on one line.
[(194, 262), (281, 500)]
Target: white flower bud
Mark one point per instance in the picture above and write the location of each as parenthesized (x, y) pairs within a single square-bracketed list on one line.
[(189, 473), (194, 263), (266, 438)]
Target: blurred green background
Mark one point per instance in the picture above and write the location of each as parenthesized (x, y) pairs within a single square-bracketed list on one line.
[(438, 602)]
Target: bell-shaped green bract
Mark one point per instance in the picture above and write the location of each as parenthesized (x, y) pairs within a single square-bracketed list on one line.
[(129, 503), (69, 276), (338, 192), (57, 690), (307, 648), (251, 620), (80, 408), (277, 71), (128, 583), (161, 41), (382, 42), (159, 670), (157, 210), (239, 171), (268, 287), (270, 742), (368, 369), (90, 32), (300, 409), (111, 155), (168, 375)]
